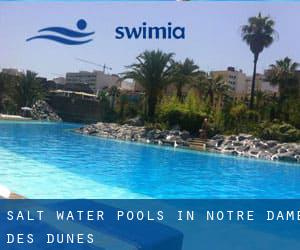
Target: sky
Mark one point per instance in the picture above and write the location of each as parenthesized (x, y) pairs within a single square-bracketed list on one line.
[(212, 40)]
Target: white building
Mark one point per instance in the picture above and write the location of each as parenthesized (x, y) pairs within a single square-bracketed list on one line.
[(12, 71), (130, 86), (240, 83), (261, 84), (97, 80), (59, 80)]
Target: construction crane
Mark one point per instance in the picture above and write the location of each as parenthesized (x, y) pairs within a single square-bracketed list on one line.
[(104, 66)]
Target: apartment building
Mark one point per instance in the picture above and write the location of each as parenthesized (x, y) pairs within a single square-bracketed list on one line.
[(241, 84), (12, 71), (236, 80), (60, 80), (261, 84), (96, 80)]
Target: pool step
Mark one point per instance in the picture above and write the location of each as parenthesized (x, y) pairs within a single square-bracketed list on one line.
[(198, 144)]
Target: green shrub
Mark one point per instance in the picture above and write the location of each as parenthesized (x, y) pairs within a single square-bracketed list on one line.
[(186, 115), (243, 119), (282, 132), (192, 102), (294, 113), (217, 123), (185, 119)]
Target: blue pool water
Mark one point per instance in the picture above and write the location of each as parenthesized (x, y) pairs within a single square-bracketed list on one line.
[(48, 160)]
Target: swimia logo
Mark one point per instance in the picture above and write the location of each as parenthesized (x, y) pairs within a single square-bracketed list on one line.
[(150, 32), (65, 35)]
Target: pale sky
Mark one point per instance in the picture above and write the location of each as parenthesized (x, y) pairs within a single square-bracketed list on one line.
[(212, 34)]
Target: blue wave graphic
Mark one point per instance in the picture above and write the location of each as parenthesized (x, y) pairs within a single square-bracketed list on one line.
[(68, 33), (59, 39)]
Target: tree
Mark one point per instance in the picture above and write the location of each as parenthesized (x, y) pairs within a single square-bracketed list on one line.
[(123, 103), (283, 75), (113, 92), (153, 72), (7, 84), (184, 73), (216, 88), (28, 89), (200, 84), (102, 96), (3, 80), (258, 34), (9, 93)]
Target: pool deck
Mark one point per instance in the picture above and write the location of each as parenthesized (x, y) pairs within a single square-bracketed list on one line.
[(14, 118)]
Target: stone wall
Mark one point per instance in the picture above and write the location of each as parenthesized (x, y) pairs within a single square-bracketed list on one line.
[(136, 133), (250, 146), (239, 145)]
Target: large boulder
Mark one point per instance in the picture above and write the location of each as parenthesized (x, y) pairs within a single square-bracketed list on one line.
[(185, 135), (242, 137), (136, 121), (218, 137), (288, 156)]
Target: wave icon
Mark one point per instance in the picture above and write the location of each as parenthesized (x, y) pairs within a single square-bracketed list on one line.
[(68, 36)]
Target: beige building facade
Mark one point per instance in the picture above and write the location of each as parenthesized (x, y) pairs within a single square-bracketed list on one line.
[(240, 83), (96, 80), (236, 80)]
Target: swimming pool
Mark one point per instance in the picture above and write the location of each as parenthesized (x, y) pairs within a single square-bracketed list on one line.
[(49, 160)]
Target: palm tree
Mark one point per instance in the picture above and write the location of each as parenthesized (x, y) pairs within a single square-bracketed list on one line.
[(261, 99), (216, 88), (200, 84), (29, 89), (113, 92), (153, 72), (184, 73), (258, 34), (283, 75)]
